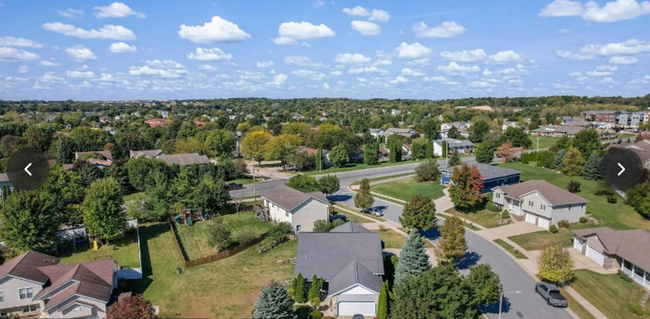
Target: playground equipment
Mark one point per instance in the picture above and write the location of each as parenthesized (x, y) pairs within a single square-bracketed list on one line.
[(189, 218)]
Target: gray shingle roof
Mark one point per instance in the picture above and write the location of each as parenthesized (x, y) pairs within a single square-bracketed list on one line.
[(350, 227), (26, 266), (354, 273), (185, 159), (455, 143), (146, 153), (631, 245), (289, 198), (552, 193), (326, 254), (488, 171)]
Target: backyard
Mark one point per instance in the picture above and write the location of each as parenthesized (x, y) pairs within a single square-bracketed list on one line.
[(405, 188), (124, 249), (195, 238), (544, 141), (222, 289), (611, 294)]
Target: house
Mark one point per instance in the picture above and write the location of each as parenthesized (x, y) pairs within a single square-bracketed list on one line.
[(626, 250), (301, 210), (163, 114), (199, 123), (185, 159), (314, 152), (20, 281), (80, 290), (507, 124), (146, 153), (105, 159), (541, 203), (493, 176), (395, 112), (557, 130), (406, 151), (463, 129), (575, 121), (460, 146), (156, 122), (352, 272), (104, 119), (376, 132), (406, 132), (298, 117), (383, 154)]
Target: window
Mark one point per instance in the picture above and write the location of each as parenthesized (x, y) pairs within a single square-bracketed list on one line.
[(2, 296), (297, 228), (582, 206), (286, 214), (498, 195), (530, 203), (569, 207), (542, 206), (25, 293), (30, 308)]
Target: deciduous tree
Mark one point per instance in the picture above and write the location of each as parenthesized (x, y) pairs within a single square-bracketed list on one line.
[(363, 199), (466, 188), (329, 184), (573, 163), (556, 265), (587, 141), (485, 283), (103, 213), (454, 158), (419, 213), (131, 307), (484, 153), (452, 244), (304, 183), (220, 142), (282, 147), (517, 137), (254, 145), (506, 151), (478, 130), (339, 155), (427, 171), (30, 220)]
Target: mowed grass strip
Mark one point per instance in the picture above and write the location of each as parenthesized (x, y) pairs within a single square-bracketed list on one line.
[(404, 189), (544, 141), (391, 238), (612, 295), (195, 238), (222, 289), (510, 249), (542, 239)]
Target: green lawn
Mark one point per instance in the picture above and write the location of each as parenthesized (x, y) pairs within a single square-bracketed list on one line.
[(222, 289), (124, 249), (352, 217), (544, 141), (542, 239), (624, 136), (405, 188), (612, 295), (616, 216), (510, 249), (576, 307), (484, 217), (391, 238), (354, 167), (383, 178), (195, 238)]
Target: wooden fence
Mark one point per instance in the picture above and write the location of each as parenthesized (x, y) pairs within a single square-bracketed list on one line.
[(207, 259)]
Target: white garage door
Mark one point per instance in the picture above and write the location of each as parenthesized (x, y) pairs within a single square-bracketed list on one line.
[(543, 222), (350, 308), (596, 256), (531, 218), (577, 243)]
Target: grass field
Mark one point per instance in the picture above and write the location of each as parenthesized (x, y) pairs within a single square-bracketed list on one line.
[(484, 217), (391, 238), (510, 249), (222, 289), (612, 295), (352, 217), (405, 188), (616, 216), (542, 239), (195, 238), (544, 141), (576, 307), (124, 249), (354, 167)]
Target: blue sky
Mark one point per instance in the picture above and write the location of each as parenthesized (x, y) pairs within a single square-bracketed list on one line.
[(102, 50)]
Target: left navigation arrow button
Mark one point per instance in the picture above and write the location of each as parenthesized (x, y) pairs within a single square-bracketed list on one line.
[(27, 169)]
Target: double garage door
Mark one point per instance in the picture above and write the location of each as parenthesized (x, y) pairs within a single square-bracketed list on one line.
[(595, 255), (351, 308), (538, 220)]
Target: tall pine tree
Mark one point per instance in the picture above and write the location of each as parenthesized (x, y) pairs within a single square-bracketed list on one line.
[(382, 303), (299, 289), (592, 167), (454, 159), (558, 159), (273, 303), (413, 260)]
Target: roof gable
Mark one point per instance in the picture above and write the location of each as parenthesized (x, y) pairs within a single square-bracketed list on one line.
[(26, 266), (553, 194)]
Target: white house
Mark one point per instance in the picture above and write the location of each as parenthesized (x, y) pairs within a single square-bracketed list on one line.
[(463, 129), (539, 202), (299, 209), (406, 132), (626, 250), (460, 146), (376, 132), (507, 124)]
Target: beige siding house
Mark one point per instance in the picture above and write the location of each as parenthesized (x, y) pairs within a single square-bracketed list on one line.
[(540, 203), (301, 210)]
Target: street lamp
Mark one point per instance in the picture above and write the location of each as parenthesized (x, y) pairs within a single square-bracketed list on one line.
[(501, 300)]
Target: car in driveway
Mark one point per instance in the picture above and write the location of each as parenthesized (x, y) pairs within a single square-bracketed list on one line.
[(551, 294), (358, 317), (234, 186), (374, 211)]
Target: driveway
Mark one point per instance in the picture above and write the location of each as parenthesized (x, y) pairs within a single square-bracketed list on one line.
[(582, 262)]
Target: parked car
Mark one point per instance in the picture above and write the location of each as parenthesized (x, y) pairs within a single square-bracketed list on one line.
[(374, 211), (234, 186), (551, 294), (358, 317), (341, 217)]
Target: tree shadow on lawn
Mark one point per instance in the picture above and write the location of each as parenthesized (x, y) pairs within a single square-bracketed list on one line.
[(471, 259), (147, 232)]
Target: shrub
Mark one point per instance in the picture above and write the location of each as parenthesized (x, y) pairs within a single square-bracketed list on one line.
[(553, 229), (493, 207), (624, 276), (505, 214), (638, 310), (563, 223), (316, 314), (612, 199), (573, 186), (583, 220), (427, 171), (603, 189)]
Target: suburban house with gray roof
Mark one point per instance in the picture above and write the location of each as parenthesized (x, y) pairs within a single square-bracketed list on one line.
[(539, 202), (493, 176), (460, 146), (626, 250), (349, 258), (301, 210), (185, 159), (146, 153)]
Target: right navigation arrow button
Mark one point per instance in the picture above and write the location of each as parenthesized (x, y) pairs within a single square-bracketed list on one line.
[(622, 169)]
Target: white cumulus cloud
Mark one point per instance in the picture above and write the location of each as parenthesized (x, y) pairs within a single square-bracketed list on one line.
[(264, 64), (506, 57), (365, 27), (299, 60), (109, 31), (456, 69), (121, 47), (19, 42), (622, 60), (279, 79), (409, 72), (464, 56), (372, 15), (80, 74), (448, 29), (164, 64), (214, 54), (116, 10), (615, 11), (412, 51), (368, 70), (309, 74), (349, 58), (49, 63), (562, 8), (217, 30), (80, 53), (304, 31)]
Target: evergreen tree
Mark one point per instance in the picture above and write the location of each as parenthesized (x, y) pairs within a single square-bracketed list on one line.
[(319, 159), (445, 151), (314, 292), (273, 303), (485, 153), (558, 159), (413, 259), (573, 163), (371, 154), (419, 213), (454, 159), (382, 303), (429, 150), (592, 167), (395, 153), (363, 199), (299, 289)]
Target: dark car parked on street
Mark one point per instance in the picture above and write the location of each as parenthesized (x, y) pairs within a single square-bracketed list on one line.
[(551, 294), (234, 186)]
